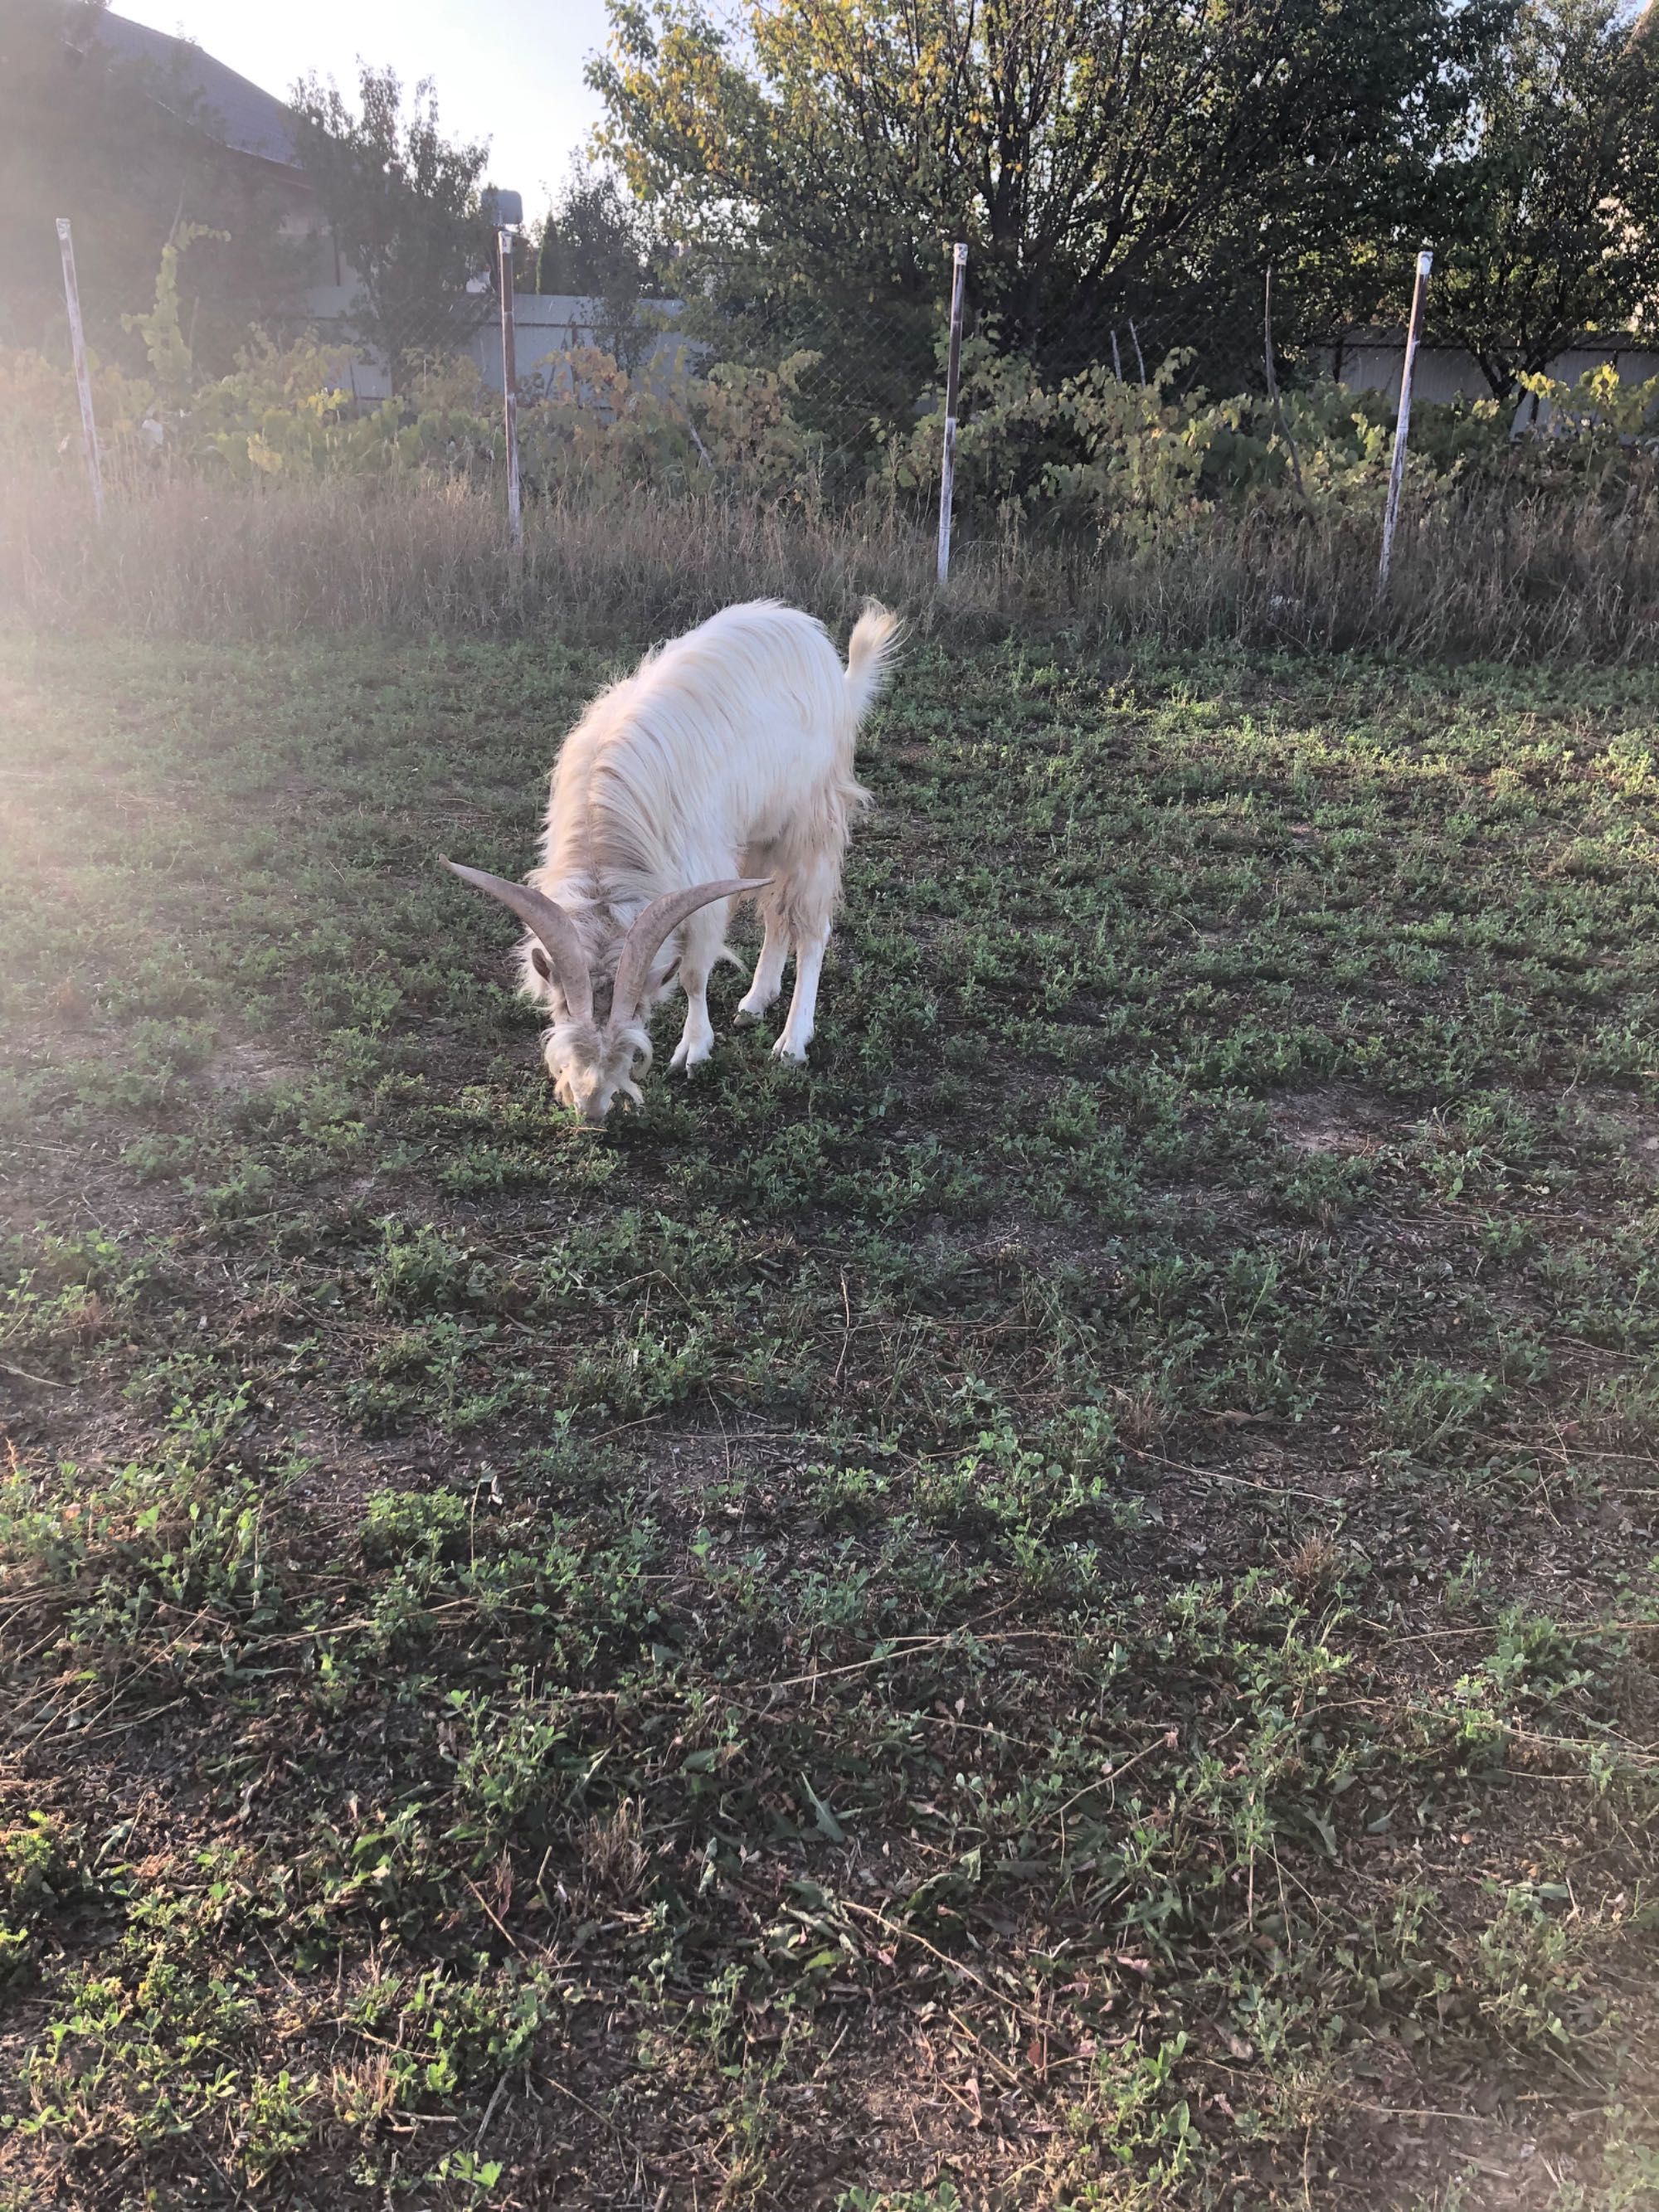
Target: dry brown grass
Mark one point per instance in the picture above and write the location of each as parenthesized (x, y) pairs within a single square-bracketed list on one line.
[(1498, 575), (1315, 1565), (613, 1851)]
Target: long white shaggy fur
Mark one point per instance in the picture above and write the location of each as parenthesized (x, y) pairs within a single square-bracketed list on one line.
[(727, 753)]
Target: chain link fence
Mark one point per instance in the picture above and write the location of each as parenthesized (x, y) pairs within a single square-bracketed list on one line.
[(862, 367), (767, 395), (879, 361)]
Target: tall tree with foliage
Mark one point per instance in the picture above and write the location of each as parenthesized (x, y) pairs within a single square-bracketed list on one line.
[(1546, 208), (402, 203), (597, 244), (1095, 154), (595, 239)]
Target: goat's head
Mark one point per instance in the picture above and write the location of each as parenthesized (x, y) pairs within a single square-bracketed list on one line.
[(592, 1056)]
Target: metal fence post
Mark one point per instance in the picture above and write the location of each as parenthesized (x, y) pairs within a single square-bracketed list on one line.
[(82, 377), (1403, 427), (510, 390), (947, 483)]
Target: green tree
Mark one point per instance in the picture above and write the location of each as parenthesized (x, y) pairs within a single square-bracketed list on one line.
[(595, 239), (403, 202), (597, 244), (1098, 155), (1545, 210)]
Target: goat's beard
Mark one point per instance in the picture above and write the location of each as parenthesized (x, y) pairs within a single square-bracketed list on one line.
[(611, 1060)]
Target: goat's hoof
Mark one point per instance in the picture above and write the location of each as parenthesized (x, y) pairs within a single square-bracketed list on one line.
[(746, 1018), (786, 1049), (690, 1056)]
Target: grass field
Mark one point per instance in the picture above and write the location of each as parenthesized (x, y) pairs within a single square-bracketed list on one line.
[(1061, 1611)]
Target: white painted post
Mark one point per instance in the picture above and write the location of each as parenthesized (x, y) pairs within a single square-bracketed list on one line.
[(83, 377), (947, 483), (510, 390), (1402, 426)]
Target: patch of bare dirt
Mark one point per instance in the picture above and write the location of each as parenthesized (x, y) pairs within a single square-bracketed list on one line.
[(1335, 1118), (1622, 1123), (245, 1066)]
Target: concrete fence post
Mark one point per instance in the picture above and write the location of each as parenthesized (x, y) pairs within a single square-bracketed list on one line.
[(947, 483), (82, 376), (1402, 426), (510, 392)]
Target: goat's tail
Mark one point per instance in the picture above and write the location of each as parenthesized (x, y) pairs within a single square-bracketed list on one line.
[(869, 655)]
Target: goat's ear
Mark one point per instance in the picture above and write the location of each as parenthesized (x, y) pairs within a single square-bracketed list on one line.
[(541, 963), (551, 925)]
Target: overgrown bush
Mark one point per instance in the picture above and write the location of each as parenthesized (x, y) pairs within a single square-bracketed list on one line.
[(1092, 449), (1096, 448)]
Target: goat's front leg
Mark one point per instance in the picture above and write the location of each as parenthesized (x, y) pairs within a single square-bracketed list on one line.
[(798, 1029), (769, 971), (697, 1037)]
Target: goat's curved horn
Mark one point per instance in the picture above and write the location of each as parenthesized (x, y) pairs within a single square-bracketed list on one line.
[(552, 925), (652, 926)]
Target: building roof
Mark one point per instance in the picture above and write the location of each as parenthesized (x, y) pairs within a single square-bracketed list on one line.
[(188, 83)]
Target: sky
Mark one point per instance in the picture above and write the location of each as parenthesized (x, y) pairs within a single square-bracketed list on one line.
[(508, 70)]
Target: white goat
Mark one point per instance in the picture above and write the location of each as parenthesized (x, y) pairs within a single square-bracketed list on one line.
[(723, 766)]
